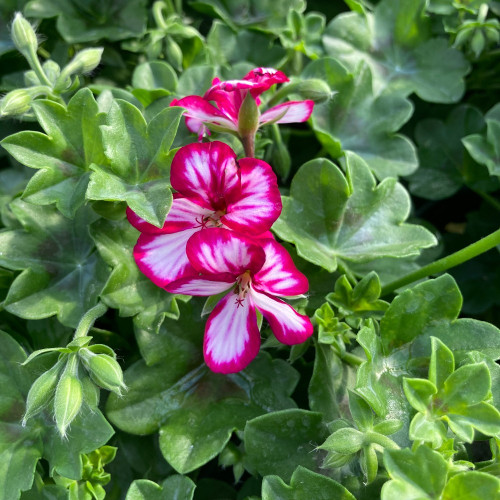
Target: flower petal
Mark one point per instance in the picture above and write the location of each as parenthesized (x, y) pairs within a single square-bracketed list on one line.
[(218, 250), (288, 326), (255, 208), (201, 287), (201, 110), (183, 214), (232, 337), (206, 173), (278, 275), (288, 112), (265, 77), (162, 257)]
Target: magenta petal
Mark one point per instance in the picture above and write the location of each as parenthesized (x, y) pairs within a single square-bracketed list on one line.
[(200, 286), (206, 173), (288, 112), (232, 338), (162, 257), (266, 77), (278, 275), (184, 214), (217, 250), (141, 224), (288, 326), (201, 110), (258, 205)]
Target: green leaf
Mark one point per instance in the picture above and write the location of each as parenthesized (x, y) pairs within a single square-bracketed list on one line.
[(429, 431), (444, 165), (139, 157), (63, 156), (174, 487), (89, 431), (360, 121), (361, 412), (419, 392), (61, 272), (430, 309), (127, 289), (278, 442), (256, 48), (353, 220), (195, 409), (152, 80), (196, 80), (396, 42), (414, 475), (327, 388), (304, 485), (267, 16), (458, 391), (442, 363), (485, 148), (482, 416), (472, 485), (20, 446), (91, 21)]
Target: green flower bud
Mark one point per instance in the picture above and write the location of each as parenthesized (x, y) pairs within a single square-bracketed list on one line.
[(173, 53), (15, 103), (84, 61), (478, 42), (248, 116), (104, 370), (314, 89), (42, 391), (69, 396), (23, 35)]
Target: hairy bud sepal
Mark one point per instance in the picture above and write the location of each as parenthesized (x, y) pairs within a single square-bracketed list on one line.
[(68, 397), (23, 35)]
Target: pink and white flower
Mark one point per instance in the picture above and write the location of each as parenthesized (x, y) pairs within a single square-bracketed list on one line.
[(258, 272), (213, 190), (228, 97)]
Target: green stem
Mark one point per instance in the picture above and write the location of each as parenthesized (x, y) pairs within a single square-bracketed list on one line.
[(158, 9), (488, 198), (35, 65), (88, 319), (352, 359), (248, 142), (441, 265)]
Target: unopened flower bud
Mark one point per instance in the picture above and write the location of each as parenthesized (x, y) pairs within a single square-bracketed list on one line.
[(314, 89), (174, 53), (84, 61), (15, 103), (23, 35), (248, 117), (41, 392), (68, 397), (104, 370)]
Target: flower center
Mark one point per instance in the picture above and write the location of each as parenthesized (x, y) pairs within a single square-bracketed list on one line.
[(243, 285), (212, 220)]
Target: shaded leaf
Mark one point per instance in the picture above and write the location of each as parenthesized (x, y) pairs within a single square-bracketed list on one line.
[(360, 121), (396, 41), (352, 220)]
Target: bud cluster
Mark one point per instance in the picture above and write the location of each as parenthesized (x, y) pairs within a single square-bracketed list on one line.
[(47, 79), (80, 370)]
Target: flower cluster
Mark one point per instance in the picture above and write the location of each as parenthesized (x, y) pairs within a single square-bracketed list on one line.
[(236, 102), (216, 236)]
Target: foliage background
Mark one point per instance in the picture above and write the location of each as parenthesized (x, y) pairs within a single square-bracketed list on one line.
[(399, 167)]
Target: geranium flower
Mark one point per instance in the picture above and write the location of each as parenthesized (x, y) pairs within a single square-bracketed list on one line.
[(259, 273), (228, 97), (213, 190)]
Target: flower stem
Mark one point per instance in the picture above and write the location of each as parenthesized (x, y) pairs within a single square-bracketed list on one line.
[(488, 198), (88, 319), (248, 142), (441, 265)]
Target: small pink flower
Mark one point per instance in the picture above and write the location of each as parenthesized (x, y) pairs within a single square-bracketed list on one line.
[(228, 97), (259, 272), (213, 190)]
